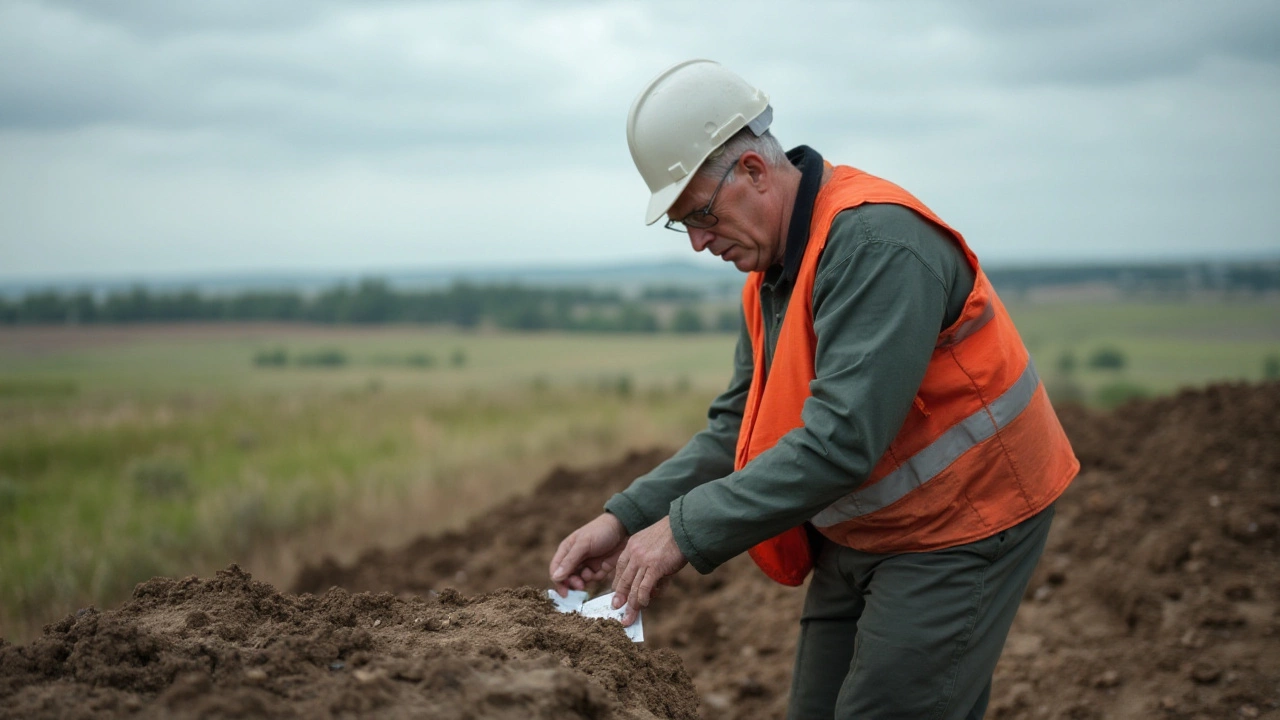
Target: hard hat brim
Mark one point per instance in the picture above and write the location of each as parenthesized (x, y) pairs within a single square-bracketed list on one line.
[(662, 200)]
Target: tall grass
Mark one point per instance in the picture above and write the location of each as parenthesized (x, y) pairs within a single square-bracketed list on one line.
[(176, 454), (97, 496)]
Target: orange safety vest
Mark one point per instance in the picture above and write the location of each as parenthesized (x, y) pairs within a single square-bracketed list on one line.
[(980, 451)]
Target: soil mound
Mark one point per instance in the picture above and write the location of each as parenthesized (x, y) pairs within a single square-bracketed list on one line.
[(1158, 595), (233, 647)]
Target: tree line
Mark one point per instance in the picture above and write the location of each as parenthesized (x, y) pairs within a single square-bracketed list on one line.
[(463, 305), (1155, 280)]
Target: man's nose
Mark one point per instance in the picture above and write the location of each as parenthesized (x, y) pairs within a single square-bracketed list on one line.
[(700, 238)]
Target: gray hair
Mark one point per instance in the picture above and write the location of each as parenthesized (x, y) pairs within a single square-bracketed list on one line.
[(766, 145)]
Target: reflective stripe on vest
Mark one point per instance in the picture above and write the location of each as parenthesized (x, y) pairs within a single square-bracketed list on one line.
[(931, 461)]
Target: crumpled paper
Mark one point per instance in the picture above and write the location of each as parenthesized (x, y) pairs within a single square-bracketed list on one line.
[(601, 607)]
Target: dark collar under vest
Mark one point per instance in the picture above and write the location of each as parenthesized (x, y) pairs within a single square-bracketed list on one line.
[(809, 163)]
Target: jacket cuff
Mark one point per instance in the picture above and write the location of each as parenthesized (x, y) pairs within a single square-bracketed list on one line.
[(628, 513), (691, 553)]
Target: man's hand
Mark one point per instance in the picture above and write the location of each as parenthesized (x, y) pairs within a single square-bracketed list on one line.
[(589, 553), (651, 556)]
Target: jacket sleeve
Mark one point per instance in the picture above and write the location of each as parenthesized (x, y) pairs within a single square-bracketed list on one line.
[(878, 308), (707, 456)]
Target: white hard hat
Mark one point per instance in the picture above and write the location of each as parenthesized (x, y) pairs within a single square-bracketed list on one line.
[(680, 117)]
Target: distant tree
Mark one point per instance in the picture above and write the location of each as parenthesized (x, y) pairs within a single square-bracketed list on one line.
[(1108, 358), (526, 316), (687, 320), (465, 307), (635, 318), (371, 302), (1067, 362), (459, 358), (729, 321), (672, 293)]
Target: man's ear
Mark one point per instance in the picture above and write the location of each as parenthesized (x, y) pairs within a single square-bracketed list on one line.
[(757, 169)]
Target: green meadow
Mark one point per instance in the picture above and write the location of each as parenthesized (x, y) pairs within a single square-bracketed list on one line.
[(1163, 346), (131, 451)]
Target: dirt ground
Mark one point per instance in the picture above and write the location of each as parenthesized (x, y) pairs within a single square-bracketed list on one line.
[(234, 647), (1158, 596)]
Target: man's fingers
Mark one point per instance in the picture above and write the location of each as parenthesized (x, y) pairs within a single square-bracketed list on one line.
[(644, 587), (623, 578), (633, 605), (560, 565)]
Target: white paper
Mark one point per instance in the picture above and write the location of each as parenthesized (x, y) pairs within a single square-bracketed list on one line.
[(601, 607), (569, 603)]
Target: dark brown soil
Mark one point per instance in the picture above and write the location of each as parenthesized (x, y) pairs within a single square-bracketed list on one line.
[(1158, 596), (233, 647)]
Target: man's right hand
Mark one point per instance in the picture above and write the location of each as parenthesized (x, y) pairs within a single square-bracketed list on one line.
[(589, 553)]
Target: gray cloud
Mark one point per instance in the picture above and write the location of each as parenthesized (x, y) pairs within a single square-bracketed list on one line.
[(238, 125), (1127, 42)]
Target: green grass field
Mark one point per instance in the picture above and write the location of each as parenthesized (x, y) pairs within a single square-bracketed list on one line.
[(129, 452), (1165, 346)]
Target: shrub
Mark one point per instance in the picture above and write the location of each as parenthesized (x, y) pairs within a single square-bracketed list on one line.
[(623, 386), (160, 477), (1067, 362), (323, 358), (1107, 358), (421, 360), (620, 385), (271, 358), (459, 358), (1271, 367), (10, 494), (35, 387)]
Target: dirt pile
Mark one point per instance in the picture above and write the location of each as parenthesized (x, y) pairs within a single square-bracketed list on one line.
[(233, 647), (1158, 596)]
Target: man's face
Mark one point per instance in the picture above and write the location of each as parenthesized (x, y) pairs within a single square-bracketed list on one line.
[(743, 233)]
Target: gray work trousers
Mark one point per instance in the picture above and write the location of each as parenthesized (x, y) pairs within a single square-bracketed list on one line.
[(915, 635)]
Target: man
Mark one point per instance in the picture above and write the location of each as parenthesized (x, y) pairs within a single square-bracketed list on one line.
[(884, 425)]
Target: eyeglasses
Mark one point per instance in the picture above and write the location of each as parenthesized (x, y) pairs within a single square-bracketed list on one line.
[(702, 218)]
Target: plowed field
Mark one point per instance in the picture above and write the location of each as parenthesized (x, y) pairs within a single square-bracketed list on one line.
[(1158, 596)]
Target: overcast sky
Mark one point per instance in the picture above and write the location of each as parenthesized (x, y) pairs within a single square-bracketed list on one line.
[(157, 137)]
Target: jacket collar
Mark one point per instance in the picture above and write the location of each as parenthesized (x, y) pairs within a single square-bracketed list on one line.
[(809, 163)]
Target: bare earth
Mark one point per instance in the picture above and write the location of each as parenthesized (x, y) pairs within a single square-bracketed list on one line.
[(1158, 596)]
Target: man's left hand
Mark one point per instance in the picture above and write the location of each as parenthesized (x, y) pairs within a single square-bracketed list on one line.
[(651, 556)]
